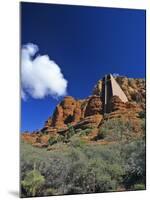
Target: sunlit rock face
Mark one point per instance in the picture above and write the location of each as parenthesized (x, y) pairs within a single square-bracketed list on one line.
[(112, 97)]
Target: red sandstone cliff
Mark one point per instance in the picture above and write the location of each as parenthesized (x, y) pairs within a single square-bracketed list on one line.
[(88, 113)]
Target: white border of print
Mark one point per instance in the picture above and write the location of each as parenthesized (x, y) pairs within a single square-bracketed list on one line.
[(9, 100)]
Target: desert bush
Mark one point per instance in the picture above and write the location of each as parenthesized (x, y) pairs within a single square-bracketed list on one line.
[(52, 140), (76, 142), (50, 192), (70, 131), (60, 138), (100, 173), (32, 182), (115, 130), (85, 168), (85, 132), (139, 187), (93, 175), (135, 169), (95, 169)]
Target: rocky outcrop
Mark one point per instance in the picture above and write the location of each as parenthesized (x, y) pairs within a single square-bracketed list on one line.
[(98, 88), (89, 122), (29, 138), (117, 104), (49, 130), (67, 112), (94, 106), (57, 119), (71, 111), (133, 88), (89, 113)]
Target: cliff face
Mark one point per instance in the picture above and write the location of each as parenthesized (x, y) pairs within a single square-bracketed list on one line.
[(76, 113), (89, 113)]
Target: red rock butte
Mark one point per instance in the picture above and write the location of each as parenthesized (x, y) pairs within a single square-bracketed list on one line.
[(112, 97)]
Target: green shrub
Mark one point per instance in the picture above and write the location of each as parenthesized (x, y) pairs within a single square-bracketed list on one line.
[(85, 132), (68, 134), (79, 167), (115, 130), (52, 140), (135, 169), (139, 187), (60, 138), (76, 142), (50, 191), (32, 182), (70, 131), (101, 134)]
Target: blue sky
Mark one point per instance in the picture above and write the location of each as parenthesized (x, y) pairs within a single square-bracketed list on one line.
[(86, 43)]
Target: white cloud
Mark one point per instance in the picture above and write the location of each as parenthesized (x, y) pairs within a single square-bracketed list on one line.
[(23, 95), (40, 76)]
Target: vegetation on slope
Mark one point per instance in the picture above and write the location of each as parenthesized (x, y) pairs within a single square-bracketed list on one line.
[(74, 166)]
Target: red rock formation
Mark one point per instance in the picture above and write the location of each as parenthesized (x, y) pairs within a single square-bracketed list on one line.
[(29, 138), (94, 106), (117, 104), (67, 112), (119, 109), (98, 88), (48, 122), (88, 113), (57, 119), (77, 112), (89, 122)]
